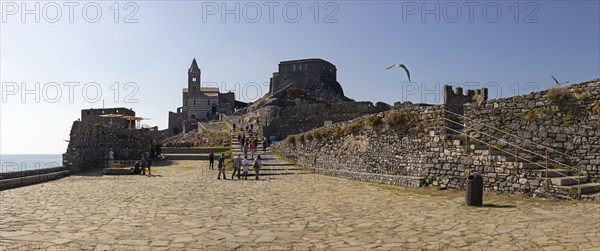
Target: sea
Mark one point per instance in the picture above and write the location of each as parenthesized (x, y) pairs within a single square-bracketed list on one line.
[(22, 162)]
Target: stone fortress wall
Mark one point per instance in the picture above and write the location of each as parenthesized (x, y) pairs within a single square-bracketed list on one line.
[(568, 126), (282, 121), (89, 145), (429, 154), (316, 76)]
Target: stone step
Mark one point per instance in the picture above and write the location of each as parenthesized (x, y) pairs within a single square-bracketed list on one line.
[(188, 156), (488, 152), (522, 165), (32, 179), (595, 196), (266, 173), (569, 180), (193, 150), (505, 158), (590, 188), (551, 173)]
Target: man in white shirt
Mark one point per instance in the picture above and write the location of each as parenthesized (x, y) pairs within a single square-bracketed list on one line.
[(245, 163)]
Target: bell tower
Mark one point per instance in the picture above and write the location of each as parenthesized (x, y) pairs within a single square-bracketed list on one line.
[(194, 79)]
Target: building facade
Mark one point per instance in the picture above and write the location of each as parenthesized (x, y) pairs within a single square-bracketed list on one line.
[(98, 116), (199, 104)]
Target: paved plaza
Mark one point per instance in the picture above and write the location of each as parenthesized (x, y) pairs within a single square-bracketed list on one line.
[(184, 207)]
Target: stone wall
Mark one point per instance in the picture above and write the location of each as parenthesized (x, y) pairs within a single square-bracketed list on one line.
[(283, 121), (419, 150), (89, 145), (561, 119), (423, 148)]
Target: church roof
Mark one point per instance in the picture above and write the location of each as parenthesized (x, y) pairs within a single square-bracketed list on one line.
[(194, 66)]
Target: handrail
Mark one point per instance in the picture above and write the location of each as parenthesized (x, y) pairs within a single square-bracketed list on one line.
[(510, 134), (512, 154), (517, 156), (514, 145)]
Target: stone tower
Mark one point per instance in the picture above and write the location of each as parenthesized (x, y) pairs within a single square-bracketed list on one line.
[(194, 79)]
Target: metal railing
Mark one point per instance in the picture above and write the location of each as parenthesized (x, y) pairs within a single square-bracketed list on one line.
[(515, 154)]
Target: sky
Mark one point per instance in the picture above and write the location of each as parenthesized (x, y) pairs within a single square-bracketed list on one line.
[(80, 55)]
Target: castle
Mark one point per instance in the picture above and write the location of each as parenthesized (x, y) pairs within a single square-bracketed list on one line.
[(315, 76), (199, 103)]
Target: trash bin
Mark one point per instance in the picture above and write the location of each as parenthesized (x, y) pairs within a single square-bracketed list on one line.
[(474, 196)]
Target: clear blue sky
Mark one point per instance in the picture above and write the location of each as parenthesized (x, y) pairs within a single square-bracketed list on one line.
[(474, 48)]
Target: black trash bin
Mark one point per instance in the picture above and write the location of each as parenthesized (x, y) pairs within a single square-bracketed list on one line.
[(474, 196)]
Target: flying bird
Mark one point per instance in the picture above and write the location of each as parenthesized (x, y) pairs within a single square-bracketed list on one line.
[(403, 67), (557, 83)]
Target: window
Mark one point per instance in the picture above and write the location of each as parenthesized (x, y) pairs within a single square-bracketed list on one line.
[(293, 67), (194, 88), (306, 67), (209, 102), (194, 102), (193, 79), (299, 67)]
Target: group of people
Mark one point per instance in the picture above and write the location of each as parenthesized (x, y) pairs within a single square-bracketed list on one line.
[(240, 166), (251, 144), (141, 165)]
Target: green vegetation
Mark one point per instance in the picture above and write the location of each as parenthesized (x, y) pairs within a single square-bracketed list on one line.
[(558, 96), (393, 120), (374, 121), (581, 95), (401, 120)]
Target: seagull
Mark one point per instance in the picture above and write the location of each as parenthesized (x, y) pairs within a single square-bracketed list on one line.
[(557, 83), (403, 67)]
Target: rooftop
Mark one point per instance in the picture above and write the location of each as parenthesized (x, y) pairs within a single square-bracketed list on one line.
[(307, 60)]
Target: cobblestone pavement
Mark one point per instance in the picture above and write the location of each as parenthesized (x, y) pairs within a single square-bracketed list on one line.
[(184, 207)]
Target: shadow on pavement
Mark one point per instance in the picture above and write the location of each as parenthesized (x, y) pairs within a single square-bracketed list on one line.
[(492, 205)]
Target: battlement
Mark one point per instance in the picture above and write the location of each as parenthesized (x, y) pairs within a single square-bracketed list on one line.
[(458, 96)]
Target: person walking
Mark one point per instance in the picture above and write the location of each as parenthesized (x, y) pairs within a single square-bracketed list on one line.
[(245, 163), (211, 160), (252, 147), (264, 143), (237, 164), (245, 148), (149, 163), (143, 162), (111, 158), (221, 167), (257, 164)]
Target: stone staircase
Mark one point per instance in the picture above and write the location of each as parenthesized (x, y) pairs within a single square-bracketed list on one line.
[(191, 153), (271, 164), (564, 182)]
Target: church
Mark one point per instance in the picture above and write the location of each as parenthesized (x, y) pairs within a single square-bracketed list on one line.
[(199, 104)]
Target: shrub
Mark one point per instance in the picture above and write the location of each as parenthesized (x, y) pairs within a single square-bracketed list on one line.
[(374, 121), (596, 107), (558, 96), (356, 127), (401, 120), (581, 95), (290, 140)]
